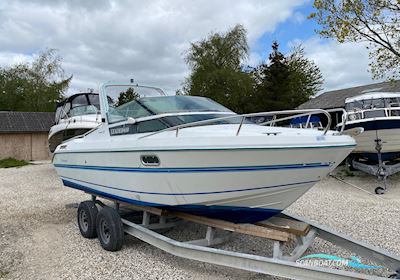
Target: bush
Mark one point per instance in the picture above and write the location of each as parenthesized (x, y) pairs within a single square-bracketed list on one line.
[(12, 162)]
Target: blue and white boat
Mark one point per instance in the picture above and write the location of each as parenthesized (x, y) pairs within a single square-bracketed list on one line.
[(191, 154), (378, 113)]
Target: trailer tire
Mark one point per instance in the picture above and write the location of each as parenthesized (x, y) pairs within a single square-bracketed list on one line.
[(379, 190), (86, 216), (349, 163), (110, 230)]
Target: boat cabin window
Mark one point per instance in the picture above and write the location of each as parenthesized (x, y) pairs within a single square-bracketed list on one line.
[(374, 114), (170, 121), (183, 110), (134, 107), (394, 112)]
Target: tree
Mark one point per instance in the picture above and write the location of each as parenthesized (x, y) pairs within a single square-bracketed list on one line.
[(33, 86), (373, 21), (127, 96), (285, 82), (217, 71), (305, 78)]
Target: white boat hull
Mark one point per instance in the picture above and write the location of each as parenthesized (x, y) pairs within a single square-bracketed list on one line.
[(387, 129), (241, 184), (390, 141)]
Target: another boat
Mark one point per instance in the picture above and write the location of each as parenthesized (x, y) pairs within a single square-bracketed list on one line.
[(378, 113), (191, 154), (75, 116)]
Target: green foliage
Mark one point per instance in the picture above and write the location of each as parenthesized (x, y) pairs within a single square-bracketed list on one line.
[(217, 73), (127, 96), (373, 21), (216, 69), (33, 86), (12, 162), (285, 82)]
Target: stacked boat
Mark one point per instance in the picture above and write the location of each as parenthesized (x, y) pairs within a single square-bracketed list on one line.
[(191, 154)]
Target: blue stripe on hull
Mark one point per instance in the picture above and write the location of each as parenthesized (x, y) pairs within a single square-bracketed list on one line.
[(228, 213), (197, 169)]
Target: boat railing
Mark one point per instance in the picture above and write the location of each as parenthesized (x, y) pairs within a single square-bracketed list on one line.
[(293, 113), (344, 117), (393, 107)]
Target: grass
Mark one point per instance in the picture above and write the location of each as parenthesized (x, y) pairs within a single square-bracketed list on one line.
[(348, 173), (12, 162)]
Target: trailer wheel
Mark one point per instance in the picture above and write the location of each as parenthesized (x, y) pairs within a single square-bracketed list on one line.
[(86, 216), (379, 190), (349, 163), (109, 229)]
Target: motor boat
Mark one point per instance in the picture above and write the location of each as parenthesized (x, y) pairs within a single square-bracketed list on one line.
[(75, 116), (378, 113), (191, 154)]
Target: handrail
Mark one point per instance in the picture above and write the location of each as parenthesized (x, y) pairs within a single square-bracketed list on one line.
[(243, 116), (344, 117)]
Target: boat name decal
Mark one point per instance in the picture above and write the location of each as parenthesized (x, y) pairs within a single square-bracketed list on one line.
[(119, 130)]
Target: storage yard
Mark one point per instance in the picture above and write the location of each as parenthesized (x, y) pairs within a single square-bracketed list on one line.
[(40, 239)]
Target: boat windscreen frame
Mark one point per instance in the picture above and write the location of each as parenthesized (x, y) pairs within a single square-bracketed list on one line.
[(104, 108)]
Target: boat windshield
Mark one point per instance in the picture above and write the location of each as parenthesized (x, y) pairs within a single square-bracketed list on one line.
[(373, 103), (150, 106)]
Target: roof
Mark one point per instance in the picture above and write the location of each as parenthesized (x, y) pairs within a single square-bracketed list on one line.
[(20, 122), (373, 95), (336, 98)]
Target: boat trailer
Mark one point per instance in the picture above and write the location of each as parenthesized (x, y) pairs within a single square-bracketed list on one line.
[(381, 170), (110, 223)]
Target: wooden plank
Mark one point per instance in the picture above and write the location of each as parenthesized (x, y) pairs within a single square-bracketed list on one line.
[(286, 225), (248, 229), (152, 210)]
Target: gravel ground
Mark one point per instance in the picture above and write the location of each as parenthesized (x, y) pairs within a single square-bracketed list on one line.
[(39, 237)]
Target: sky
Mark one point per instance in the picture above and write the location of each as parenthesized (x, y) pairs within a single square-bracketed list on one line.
[(106, 40)]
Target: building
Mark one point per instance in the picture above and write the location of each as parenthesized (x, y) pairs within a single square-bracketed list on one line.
[(336, 98), (23, 135)]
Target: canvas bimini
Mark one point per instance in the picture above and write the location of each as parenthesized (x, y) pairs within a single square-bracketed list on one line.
[(378, 114), (191, 154)]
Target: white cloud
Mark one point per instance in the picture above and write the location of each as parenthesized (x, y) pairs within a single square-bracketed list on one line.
[(342, 65), (108, 40)]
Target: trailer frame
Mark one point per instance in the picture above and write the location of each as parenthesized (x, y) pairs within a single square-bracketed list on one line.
[(280, 264)]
